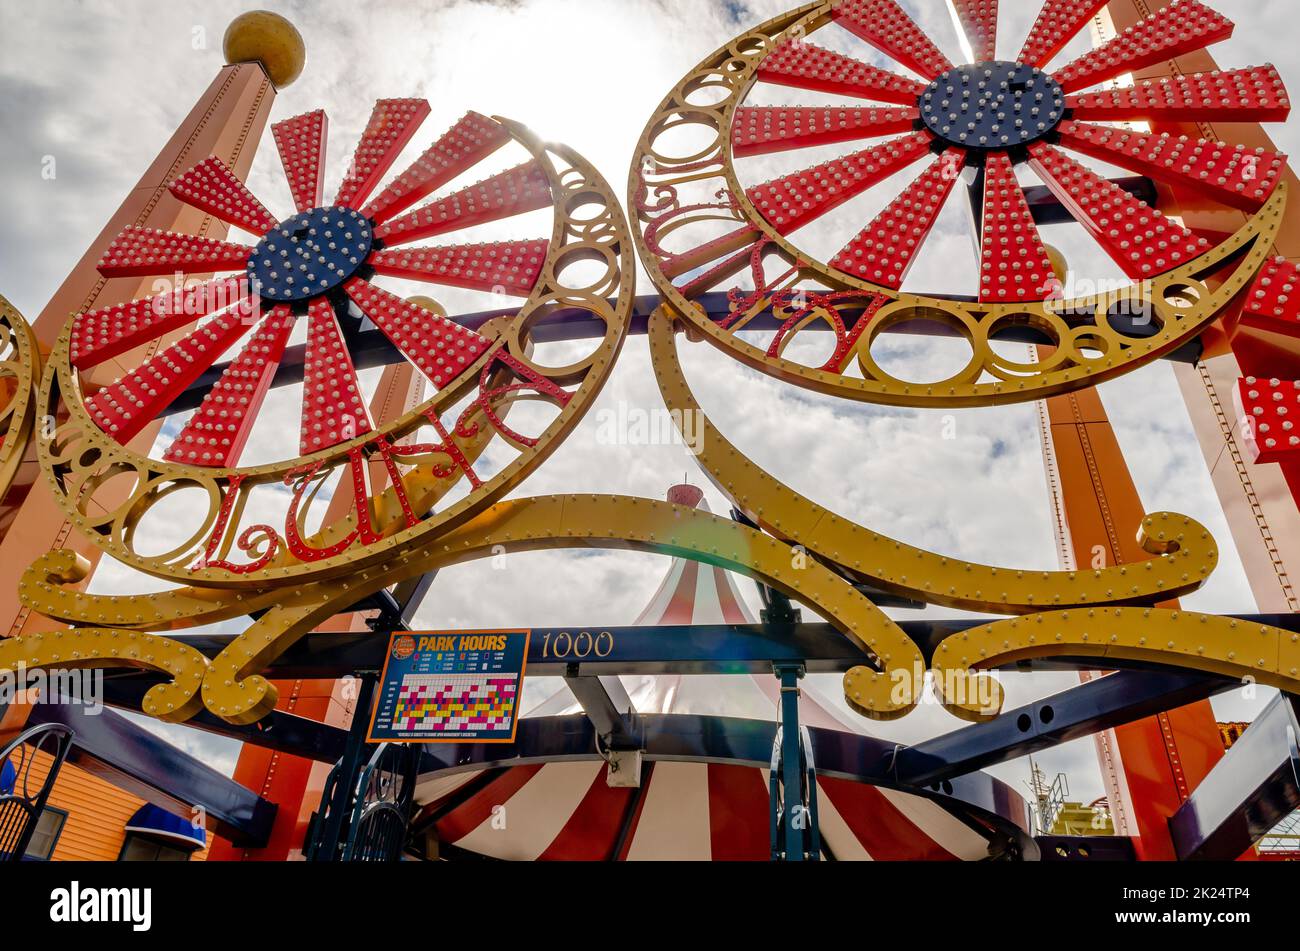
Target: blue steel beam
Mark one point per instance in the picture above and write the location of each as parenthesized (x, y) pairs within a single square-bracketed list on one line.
[(132, 758), (1109, 701), (1253, 788), (1100, 704), (370, 348), (668, 649), (575, 651), (279, 731)]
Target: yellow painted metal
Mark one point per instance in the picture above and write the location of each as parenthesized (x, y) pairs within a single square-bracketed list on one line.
[(677, 191), (20, 364), (49, 587), (232, 687), (292, 597), (81, 647), (803, 550), (234, 690), (1185, 554), (1257, 653)]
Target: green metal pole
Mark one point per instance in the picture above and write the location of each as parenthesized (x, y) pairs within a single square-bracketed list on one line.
[(340, 806), (791, 775)]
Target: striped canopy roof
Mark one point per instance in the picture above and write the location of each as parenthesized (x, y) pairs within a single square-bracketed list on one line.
[(553, 808)]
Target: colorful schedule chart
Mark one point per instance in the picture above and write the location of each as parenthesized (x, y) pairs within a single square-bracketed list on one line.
[(451, 687)]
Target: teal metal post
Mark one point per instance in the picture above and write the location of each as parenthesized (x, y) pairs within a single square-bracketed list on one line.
[(794, 820), (349, 768)]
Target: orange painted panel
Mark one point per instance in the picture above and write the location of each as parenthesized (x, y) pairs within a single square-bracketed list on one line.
[(97, 814), (1102, 510), (227, 121)]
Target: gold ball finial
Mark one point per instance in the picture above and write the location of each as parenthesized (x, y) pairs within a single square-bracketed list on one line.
[(428, 303), (260, 36)]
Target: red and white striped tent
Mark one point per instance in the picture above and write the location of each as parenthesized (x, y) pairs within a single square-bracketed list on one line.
[(550, 807)]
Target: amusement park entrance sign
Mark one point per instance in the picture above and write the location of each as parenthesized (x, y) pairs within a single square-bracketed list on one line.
[(428, 467)]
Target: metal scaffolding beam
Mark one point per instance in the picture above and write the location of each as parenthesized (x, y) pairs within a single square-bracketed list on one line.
[(1253, 788)]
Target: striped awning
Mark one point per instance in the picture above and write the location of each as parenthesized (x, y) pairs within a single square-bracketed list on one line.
[(693, 592), (681, 812), (703, 795)]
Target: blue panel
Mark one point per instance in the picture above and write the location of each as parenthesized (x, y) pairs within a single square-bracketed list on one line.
[(152, 820)]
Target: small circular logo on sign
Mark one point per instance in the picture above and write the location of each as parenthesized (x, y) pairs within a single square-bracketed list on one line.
[(403, 647)]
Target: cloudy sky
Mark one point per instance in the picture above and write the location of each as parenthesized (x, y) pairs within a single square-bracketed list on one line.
[(100, 86)]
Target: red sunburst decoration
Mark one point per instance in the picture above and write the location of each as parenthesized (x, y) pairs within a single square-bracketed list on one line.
[(318, 265), (997, 113)]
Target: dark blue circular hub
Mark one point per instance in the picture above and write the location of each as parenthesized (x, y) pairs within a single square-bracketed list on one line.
[(310, 254), (992, 105)]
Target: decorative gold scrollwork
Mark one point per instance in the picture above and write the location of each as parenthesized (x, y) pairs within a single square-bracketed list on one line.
[(1184, 555), (83, 647), (235, 691), (1243, 650), (19, 368), (1183, 549)]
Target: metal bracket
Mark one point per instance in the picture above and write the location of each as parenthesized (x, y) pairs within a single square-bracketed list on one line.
[(792, 778), (608, 707)]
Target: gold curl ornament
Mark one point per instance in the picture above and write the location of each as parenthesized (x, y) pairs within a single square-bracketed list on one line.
[(1243, 650), (19, 369), (1184, 552), (86, 647), (1098, 621), (232, 687)]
